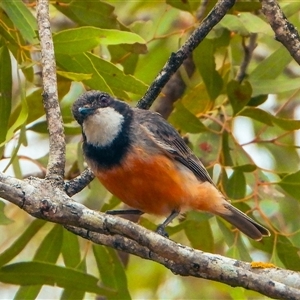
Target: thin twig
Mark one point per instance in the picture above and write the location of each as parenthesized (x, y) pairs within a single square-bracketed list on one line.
[(248, 51), (56, 163), (176, 59), (77, 184)]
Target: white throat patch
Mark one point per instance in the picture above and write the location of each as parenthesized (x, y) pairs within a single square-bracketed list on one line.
[(103, 127)]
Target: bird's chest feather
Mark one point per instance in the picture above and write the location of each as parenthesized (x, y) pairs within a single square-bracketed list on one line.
[(151, 183)]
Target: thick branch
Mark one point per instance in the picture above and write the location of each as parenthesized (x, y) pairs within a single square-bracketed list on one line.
[(41, 200), (56, 164), (285, 32), (176, 59)]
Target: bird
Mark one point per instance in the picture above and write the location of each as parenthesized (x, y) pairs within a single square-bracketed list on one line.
[(141, 159)]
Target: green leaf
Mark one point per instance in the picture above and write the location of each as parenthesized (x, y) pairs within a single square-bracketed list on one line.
[(272, 66), (253, 23), (200, 235), (112, 271), (96, 13), (21, 120), (266, 118), (50, 247), (34, 101), (225, 154), (287, 124), (5, 91), (22, 18), (257, 114), (291, 184), (246, 168), (48, 251), (74, 76), (4, 220), (196, 100), (236, 185), (105, 76), (239, 94), (182, 5), (185, 120), (243, 251), (291, 8), (287, 253), (244, 24), (263, 87), (72, 258), (71, 249), (78, 40), (205, 63), (227, 233), (116, 79), (21, 242), (233, 23), (41, 273), (257, 100)]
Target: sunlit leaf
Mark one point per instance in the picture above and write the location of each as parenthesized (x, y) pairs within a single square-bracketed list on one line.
[(22, 18), (5, 91), (75, 76), (96, 13), (78, 40), (233, 23), (253, 23), (105, 75), (263, 87), (272, 66)]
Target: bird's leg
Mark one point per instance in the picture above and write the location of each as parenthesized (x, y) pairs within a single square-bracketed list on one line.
[(161, 228), (124, 212)]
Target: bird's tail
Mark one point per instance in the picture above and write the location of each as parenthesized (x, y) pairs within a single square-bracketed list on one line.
[(244, 223)]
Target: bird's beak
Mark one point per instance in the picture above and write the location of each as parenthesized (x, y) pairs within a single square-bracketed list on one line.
[(85, 111)]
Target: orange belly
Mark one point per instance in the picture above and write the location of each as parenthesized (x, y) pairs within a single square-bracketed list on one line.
[(158, 186)]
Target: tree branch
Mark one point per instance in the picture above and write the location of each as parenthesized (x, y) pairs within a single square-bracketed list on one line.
[(38, 198), (56, 163), (285, 32), (176, 59), (248, 51), (77, 184)]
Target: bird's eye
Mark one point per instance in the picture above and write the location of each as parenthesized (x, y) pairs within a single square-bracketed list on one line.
[(103, 100)]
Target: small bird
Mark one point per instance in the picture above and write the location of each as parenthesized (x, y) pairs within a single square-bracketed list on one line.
[(140, 158)]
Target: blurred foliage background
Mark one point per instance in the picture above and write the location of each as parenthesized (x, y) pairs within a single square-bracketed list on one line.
[(242, 123)]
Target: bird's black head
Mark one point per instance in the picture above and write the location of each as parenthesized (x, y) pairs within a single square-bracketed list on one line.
[(89, 102), (105, 124)]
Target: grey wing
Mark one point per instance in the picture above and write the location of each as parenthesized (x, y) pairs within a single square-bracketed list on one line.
[(170, 140)]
